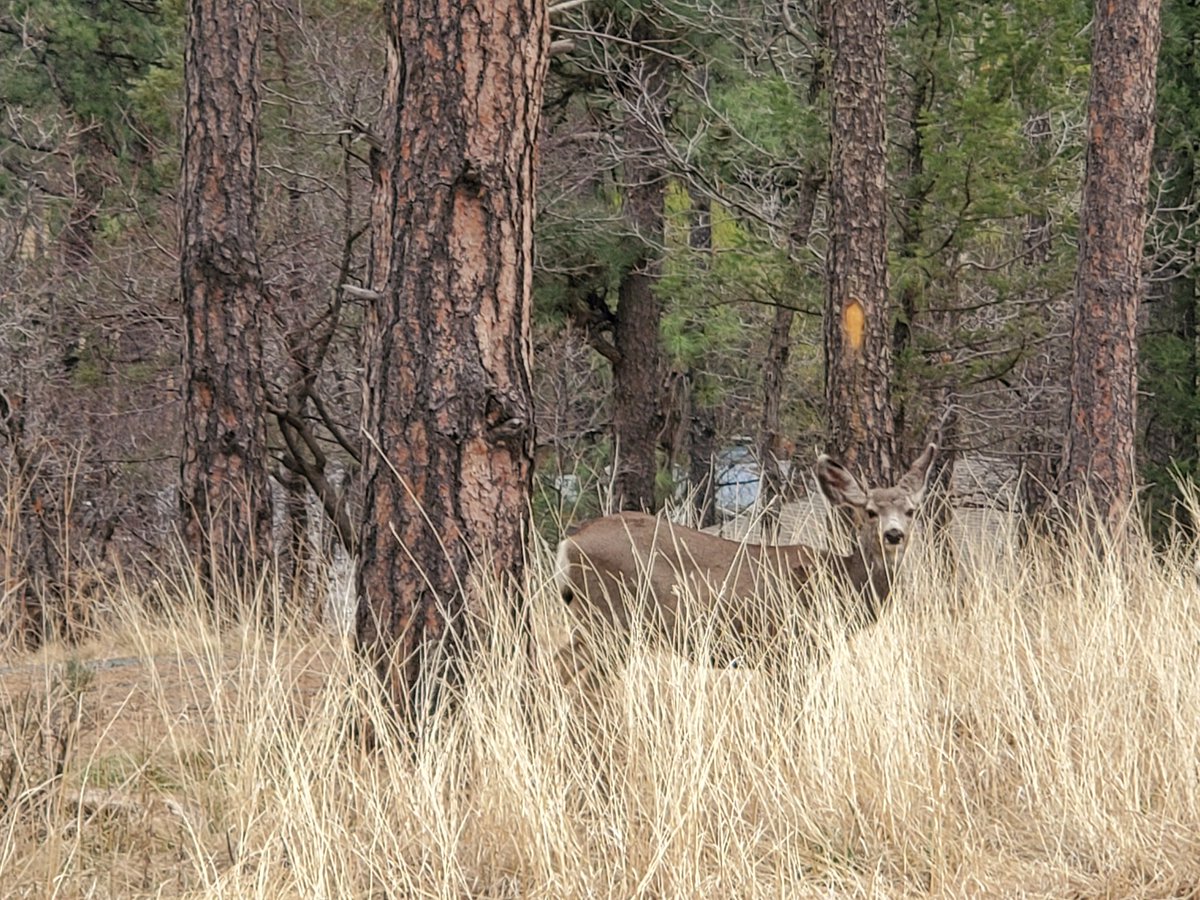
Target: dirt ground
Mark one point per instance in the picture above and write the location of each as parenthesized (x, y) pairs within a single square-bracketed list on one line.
[(115, 770), (129, 702)]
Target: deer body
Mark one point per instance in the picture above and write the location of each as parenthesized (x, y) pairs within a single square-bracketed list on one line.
[(634, 570)]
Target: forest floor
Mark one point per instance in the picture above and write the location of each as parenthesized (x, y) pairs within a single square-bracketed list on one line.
[(105, 747)]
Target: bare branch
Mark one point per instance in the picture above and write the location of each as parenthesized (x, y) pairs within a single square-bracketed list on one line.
[(359, 293)]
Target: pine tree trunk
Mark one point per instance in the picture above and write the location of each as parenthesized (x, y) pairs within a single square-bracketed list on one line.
[(702, 452), (78, 237), (637, 387), (638, 370), (448, 407), (225, 497), (1190, 439), (858, 355), (701, 424), (1099, 472)]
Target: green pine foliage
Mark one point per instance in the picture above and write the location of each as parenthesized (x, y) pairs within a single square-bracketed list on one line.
[(1169, 402), (986, 160)]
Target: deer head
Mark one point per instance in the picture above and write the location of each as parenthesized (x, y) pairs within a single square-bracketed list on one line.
[(883, 516)]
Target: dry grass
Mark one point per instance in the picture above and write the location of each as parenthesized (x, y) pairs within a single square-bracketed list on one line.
[(1027, 726)]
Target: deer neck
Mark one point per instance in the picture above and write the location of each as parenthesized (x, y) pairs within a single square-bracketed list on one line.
[(871, 579)]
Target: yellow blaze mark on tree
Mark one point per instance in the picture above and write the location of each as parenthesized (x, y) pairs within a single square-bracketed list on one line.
[(853, 321)]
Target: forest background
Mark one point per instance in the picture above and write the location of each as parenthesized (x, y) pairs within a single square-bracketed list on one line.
[(710, 164), (1021, 722)]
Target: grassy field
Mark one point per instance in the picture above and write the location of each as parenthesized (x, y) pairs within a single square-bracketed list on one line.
[(1025, 724)]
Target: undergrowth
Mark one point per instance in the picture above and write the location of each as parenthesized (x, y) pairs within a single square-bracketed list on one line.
[(1022, 722)]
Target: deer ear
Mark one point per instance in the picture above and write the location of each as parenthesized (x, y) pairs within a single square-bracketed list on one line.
[(838, 485), (916, 479)]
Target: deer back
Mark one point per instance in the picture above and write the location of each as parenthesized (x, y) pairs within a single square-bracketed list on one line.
[(675, 578)]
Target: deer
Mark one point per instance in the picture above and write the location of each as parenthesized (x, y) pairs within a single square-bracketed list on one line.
[(677, 585)]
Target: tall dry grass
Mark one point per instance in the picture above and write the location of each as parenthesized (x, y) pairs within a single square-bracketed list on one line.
[(1025, 724)]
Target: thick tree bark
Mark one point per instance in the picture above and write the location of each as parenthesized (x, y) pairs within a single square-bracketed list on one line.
[(638, 367), (448, 406), (1099, 473), (858, 333), (637, 388), (225, 499)]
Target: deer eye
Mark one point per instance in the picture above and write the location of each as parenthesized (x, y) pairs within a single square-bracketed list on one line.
[(872, 514)]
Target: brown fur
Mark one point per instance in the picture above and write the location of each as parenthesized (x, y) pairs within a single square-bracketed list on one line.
[(635, 570)]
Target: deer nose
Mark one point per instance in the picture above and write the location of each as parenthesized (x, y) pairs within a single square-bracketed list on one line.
[(893, 536)]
